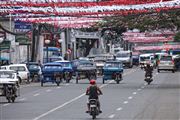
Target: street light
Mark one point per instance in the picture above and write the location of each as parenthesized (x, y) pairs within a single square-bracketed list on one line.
[(1, 40), (47, 43)]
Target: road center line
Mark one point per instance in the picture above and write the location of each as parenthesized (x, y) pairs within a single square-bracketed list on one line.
[(139, 89), (6, 104), (36, 94), (70, 101), (125, 102), (48, 90), (130, 97), (22, 99), (111, 116), (118, 109)]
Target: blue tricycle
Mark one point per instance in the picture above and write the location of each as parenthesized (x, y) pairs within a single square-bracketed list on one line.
[(67, 70), (112, 70), (52, 72)]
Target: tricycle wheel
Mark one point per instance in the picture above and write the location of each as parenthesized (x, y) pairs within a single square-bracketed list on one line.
[(35, 78), (58, 83), (19, 79), (9, 100), (117, 81), (13, 99), (41, 84), (103, 81), (77, 78)]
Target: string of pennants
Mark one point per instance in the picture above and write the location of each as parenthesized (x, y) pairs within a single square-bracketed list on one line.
[(31, 10)]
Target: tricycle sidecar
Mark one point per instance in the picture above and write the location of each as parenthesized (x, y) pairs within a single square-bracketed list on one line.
[(67, 70), (85, 69), (112, 70), (34, 70), (52, 72), (9, 84)]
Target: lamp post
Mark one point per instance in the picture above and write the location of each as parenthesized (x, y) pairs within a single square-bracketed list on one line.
[(47, 43), (1, 40)]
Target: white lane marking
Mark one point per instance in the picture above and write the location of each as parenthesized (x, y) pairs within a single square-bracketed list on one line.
[(48, 90), (143, 87), (125, 102), (111, 116), (22, 99), (58, 87), (134, 93), (157, 73), (118, 109), (66, 84), (68, 102), (56, 108), (36, 94), (139, 89), (130, 97), (6, 104)]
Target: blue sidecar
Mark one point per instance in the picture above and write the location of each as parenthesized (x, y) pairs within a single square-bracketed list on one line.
[(112, 70), (35, 71), (67, 70), (52, 72)]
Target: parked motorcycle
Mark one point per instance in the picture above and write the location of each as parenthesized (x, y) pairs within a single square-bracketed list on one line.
[(67, 76)]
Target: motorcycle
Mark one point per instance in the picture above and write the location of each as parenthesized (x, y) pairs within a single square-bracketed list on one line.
[(9, 91), (94, 111), (148, 77), (67, 76)]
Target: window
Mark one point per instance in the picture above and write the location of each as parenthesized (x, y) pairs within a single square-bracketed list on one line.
[(17, 68), (123, 55), (6, 75), (166, 58)]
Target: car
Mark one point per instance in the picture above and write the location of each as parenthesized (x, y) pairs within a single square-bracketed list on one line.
[(166, 63), (125, 57), (21, 69)]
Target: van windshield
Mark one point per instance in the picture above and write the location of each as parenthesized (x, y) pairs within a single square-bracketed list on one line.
[(144, 58), (122, 55)]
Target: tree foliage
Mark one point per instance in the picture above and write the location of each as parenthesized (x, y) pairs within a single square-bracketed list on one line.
[(177, 37), (144, 22)]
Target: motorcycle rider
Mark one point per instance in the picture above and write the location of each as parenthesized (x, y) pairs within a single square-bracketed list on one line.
[(93, 91), (148, 70)]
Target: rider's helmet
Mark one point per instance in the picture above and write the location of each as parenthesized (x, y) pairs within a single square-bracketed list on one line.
[(92, 82)]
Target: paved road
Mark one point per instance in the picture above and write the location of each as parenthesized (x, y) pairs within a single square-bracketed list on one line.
[(131, 99)]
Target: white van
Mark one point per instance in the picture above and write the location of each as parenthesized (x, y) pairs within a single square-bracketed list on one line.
[(147, 58), (125, 57), (21, 69)]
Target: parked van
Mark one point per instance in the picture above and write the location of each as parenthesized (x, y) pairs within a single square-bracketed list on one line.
[(125, 57), (21, 69)]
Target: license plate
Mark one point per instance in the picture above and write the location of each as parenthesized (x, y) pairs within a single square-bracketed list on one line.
[(92, 105)]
